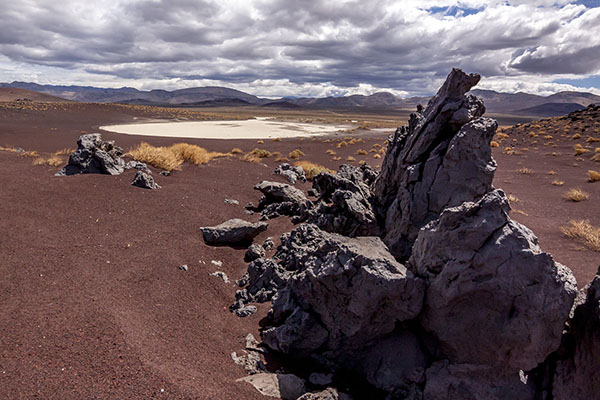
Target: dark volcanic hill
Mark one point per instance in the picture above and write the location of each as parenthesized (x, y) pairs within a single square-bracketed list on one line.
[(551, 109), (14, 94)]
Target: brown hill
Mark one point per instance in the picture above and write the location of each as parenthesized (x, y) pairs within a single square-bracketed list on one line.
[(14, 94)]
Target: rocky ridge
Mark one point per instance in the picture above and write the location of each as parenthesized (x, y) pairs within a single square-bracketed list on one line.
[(417, 280)]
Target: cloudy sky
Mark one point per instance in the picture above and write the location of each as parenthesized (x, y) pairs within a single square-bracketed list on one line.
[(302, 48)]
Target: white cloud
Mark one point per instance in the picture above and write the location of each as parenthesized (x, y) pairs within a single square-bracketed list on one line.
[(311, 48)]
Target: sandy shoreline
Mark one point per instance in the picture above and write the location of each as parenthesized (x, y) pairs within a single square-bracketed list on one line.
[(258, 128)]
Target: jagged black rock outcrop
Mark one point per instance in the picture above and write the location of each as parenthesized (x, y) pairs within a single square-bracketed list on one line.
[(94, 156), (441, 160), (441, 295)]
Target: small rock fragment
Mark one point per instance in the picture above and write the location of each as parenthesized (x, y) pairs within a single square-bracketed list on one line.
[(145, 181), (222, 275), (183, 267), (231, 201), (233, 231), (283, 386), (254, 251)]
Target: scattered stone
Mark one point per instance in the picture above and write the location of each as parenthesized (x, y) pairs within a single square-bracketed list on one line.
[(242, 310), (252, 344), (232, 202), (19, 150), (233, 231), (268, 244), (222, 275), (254, 251), (145, 181), (218, 263), (183, 267), (250, 361), (138, 165), (291, 173), (165, 173), (283, 386), (94, 156)]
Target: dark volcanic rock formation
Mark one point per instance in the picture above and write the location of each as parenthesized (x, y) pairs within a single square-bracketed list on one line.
[(233, 231), (441, 295), (282, 199), (94, 156), (441, 160)]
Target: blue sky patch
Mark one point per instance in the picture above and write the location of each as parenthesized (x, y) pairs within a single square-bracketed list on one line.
[(592, 81)]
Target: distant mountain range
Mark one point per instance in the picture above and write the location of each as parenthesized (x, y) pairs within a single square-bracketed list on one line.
[(212, 96)]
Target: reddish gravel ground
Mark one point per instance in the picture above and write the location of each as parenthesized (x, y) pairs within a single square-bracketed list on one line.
[(93, 304)]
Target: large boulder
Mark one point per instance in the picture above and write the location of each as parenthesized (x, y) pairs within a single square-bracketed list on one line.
[(494, 298), (233, 231), (282, 199), (345, 292), (576, 375), (441, 160), (94, 156)]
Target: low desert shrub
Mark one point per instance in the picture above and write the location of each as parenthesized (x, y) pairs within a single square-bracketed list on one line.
[(361, 152), (584, 232), (576, 136), (171, 158), (260, 142), (237, 151), (341, 144), (32, 154), (330, 152), (525, 171), (256, 155), (576, 195), (277, 139), (501, 136), (350, 158), (376, 156), (592, 139), (295, 154), (311, 169), (556, 182), (593, 176), (494, 144), (579, 149)]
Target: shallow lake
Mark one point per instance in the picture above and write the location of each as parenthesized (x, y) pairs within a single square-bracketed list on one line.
[(258, 128)]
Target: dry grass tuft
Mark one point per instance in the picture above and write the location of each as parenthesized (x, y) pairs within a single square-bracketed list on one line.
[(277, 139), (592, 139), (256, 155), (295, 154), (337, 158), (525, 171), (376, 155), (54, 161), (494, 144), (170, 158), (64, 152), (341, 144), (311, 169), (376, 145), (350, 158), (9, 149), (576, 136), (260, 142), (583, 232), (548, 137), (279, 157), (593, 176), (576, 195), (556, 182), (237, 151), (501, 136), (330, 152), (361, 152), (32, 154), (513, 198), (579, 149), (194, 154)]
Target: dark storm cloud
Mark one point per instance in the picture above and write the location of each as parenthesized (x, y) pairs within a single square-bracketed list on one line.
[(383, 43)]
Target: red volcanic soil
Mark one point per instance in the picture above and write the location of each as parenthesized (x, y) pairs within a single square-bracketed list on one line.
[(94, 305)]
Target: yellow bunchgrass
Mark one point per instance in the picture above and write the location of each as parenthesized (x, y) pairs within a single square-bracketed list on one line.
[(361, 152), (32, 154), (579, 149), (256, 155), (350, 158), (171, 158), (376, 156), (525, 171), (592, 139), (584, 232), (341, 144), (64, 152), (593, 176), (237, 151), (53, 161), (576, 195), (295, 154), (311, 169), (493, 143), (330, 152)]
